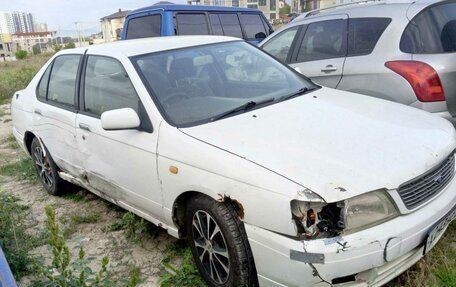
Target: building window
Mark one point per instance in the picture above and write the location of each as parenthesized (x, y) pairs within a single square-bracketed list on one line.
[(262, 2), (272, 7), (255, 6)]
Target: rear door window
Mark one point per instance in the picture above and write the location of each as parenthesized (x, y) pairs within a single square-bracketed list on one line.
[(143, 27), (62, 82), (432, 31), (191, 24), (363, 34), (253, 26), (41, 91), (324, 40), (279, 46)]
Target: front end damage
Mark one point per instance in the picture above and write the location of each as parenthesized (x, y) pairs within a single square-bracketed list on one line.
[(340, 244)]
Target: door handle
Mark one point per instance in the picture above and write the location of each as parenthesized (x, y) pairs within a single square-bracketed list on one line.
[(329, 69), (84, 127), (38, 112)]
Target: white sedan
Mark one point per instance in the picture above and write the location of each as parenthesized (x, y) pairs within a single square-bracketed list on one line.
[(274, 180)]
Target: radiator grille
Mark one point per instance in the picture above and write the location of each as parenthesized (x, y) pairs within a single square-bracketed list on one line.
[(423, 188)]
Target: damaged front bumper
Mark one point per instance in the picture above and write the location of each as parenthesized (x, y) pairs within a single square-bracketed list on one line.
[(369, 257)]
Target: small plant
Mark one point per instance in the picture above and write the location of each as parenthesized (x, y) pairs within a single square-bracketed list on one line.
[(187, 275), (135, 226), (22, 169), (63, 272), (21, 54)]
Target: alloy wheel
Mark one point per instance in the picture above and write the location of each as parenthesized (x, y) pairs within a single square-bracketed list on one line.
[(44, 169), (211, 246)]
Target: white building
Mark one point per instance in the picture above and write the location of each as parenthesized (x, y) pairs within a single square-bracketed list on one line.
[(27, 41), (23, 22), (112, 25), (41, 27)]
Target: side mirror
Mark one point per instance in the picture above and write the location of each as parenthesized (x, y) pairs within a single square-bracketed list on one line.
[(120, 119), (260, 35)]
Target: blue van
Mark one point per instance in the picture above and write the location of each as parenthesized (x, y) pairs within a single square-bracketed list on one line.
[(170, 20)]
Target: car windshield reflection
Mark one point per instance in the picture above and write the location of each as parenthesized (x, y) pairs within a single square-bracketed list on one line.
[(195, 85)]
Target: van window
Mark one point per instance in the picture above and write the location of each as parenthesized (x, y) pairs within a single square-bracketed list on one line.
[(62, 82), (279, 46), (253, 26), (226, 24), (363, 34), (143, 27), (432, 31), (323, 40), (191, 24)]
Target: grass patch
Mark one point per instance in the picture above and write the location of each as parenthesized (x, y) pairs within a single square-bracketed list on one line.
[(186, 275), (16, 75), (16, 243), (80, 219), (12, 143), (23, 169)]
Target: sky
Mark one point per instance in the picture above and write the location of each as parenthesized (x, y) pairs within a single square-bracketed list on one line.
[(60, 15)]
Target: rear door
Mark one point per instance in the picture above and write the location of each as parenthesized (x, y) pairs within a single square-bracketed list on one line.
[(55, 111), (431, 38), (320, 51)]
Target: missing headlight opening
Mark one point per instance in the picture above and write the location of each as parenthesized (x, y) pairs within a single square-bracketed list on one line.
[(318, 220)]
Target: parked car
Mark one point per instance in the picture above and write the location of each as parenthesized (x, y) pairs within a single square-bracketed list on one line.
[(400, 51), (273, 179), (6, 277), (169, 20)]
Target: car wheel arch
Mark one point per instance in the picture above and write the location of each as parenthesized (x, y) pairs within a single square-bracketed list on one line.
[(180, 206), (28, 138)]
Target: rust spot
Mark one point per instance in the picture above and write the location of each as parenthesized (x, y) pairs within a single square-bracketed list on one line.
[(237, 204)]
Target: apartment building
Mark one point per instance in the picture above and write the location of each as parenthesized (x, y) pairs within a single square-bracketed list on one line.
[(27, 41), (111, 25)]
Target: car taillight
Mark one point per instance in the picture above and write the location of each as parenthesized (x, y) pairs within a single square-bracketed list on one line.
[(423, 78)]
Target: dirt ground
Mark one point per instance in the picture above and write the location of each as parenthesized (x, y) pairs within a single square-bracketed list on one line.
[(96, 238)]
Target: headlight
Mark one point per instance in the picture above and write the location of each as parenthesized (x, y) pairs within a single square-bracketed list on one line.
[(323, 220), (369, 209)]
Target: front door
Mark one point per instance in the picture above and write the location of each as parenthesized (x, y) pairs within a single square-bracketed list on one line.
[(121, 164), (320, 51)]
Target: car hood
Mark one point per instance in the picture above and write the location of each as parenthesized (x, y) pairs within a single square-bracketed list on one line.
[(335, 143)]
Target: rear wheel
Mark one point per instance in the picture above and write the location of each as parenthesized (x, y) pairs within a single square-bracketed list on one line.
[(46, 168), (219, 243)]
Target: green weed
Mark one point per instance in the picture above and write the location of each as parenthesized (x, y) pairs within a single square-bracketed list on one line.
[(15, 242), (187, 275), (136, 228), (23, 169), (80, 219)]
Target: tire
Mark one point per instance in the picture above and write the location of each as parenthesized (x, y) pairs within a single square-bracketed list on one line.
[(226, 259), (46, 169)]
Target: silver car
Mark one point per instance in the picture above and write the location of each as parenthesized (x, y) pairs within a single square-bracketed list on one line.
[(403, 51)]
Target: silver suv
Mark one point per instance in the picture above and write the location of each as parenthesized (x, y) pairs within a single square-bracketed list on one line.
[(403, 51)]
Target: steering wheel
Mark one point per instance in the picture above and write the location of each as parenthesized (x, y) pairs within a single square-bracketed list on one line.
[(183, 92)]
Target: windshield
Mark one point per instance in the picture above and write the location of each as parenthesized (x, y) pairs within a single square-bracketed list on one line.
[(196, 85)]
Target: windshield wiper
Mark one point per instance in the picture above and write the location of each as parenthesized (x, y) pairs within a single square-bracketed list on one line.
[(295, 94), (244, 107)]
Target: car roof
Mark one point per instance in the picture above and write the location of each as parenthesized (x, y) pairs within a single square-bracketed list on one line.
[(135, 47), (365, 8), (173, 7)]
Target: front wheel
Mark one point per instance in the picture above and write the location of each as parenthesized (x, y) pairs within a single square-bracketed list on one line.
[(219, 243), (46, 168)]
